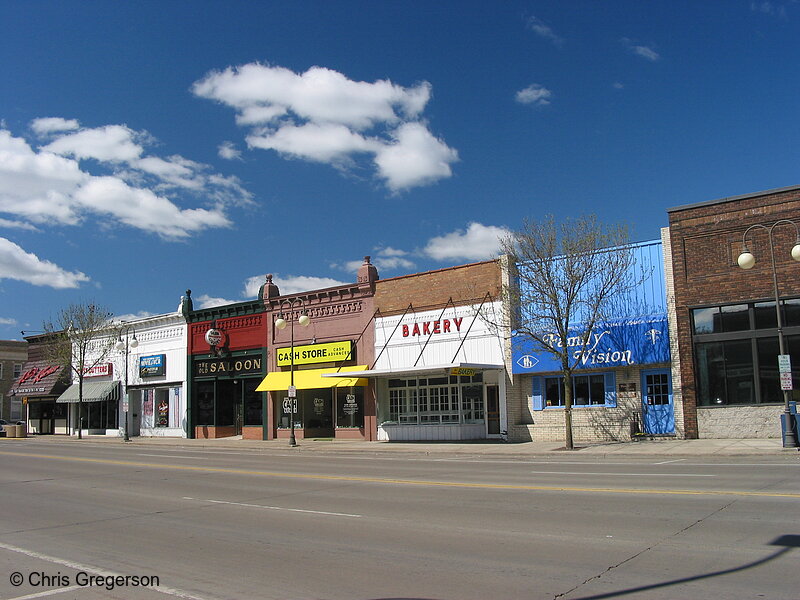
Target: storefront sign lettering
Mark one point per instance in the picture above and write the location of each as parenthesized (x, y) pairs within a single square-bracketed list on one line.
[(228, 366), (620, 343), (99, 370), (152, 366), (431, 327), (36, 374), (315, 353)]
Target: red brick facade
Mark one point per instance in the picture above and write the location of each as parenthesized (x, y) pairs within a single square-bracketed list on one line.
[(706, 240), (465, 284)]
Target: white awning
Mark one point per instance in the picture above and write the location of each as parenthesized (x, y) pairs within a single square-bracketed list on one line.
[(418, 371), (93, 391)]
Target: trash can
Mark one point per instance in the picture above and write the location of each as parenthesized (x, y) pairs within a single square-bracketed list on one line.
[(22, 431), (793, 420), (11, 430)]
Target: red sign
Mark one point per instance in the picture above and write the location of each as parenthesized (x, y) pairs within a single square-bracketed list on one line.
[(37, 374), (429, 327), (101, 370)]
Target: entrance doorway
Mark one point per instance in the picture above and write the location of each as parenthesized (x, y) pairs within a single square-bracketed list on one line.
[(657, 409), (492, 410)]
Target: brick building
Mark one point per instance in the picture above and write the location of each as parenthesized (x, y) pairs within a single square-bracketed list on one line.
[(725, 317), (439, 371), (13, 355)]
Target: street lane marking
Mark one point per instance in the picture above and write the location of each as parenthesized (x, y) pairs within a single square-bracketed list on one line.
[(171, 456), (453, 484), (299, 510), (94, 571), (666, 462), (71, 588), (622, 474)]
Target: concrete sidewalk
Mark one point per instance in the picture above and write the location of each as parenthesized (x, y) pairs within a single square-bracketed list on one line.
[(665, 448)]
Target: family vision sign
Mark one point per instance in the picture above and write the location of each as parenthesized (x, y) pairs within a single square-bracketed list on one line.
[(610, 344)]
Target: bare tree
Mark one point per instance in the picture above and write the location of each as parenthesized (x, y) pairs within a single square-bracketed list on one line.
[(83, 338), (567, 279)]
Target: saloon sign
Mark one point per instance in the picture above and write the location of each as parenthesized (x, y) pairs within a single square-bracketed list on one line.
[(610, 344), (228, 366)]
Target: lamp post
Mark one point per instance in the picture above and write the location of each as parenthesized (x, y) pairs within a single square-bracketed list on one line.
[(126, 345), (746, 261), (281, 323)]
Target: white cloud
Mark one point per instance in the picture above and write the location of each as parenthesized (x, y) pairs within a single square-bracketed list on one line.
[(144, 209), (47, 125), (206, 301), (769, 8), (5, 223), (390, 259), (323, 116), (415, 158), (142, 314), (290, 284), (326, 143), (113, 143), (4, 321), (50, 185), (228, 151), (320, 95), (535, 94), (17, 264), (543, 30), (645, 52), (478, 242)]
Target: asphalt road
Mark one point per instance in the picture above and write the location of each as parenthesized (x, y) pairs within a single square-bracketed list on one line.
[(85, 520)]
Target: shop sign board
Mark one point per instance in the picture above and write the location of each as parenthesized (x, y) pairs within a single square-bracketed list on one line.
[(462, 371), (228, 366), (623, 343), (154, 365), (213, 337), (287, 406), (315, 353), (101, 370)]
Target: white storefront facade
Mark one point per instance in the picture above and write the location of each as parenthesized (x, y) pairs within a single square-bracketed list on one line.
[(440, 375), (155, 402)]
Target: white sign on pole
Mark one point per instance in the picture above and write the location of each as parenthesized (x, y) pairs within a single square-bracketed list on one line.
[(292, 391), (125, 405), (786, 381), (784, 363)]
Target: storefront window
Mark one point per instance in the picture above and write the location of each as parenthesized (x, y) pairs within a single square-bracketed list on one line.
[(350, 407), (253, 403), (587, 390), (738, 365), (436, 400), (204, 393), (162, 407)]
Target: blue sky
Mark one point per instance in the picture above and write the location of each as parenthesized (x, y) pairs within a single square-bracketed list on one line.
[(151, 147)]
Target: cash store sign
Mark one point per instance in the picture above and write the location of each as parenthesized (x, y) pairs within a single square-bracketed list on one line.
[(315, 353)]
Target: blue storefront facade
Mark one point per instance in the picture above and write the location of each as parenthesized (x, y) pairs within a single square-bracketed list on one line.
[(622, 383)]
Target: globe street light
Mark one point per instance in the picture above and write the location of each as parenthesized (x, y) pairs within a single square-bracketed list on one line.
[(126, 345), (747, 261), (280, 323)]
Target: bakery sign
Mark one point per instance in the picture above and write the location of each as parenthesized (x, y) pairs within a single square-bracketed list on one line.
[(154, 365)]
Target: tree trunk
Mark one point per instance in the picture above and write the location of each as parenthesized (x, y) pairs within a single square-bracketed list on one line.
[(568, 444)]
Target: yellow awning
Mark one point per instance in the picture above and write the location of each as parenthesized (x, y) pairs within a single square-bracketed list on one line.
[(310, 379)]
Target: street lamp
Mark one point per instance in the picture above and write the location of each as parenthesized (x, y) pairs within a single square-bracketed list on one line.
[(281, 323), (126, 345), (746, 261)]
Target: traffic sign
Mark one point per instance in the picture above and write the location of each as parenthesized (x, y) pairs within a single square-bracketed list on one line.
[(784, 363), (786, 381)]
